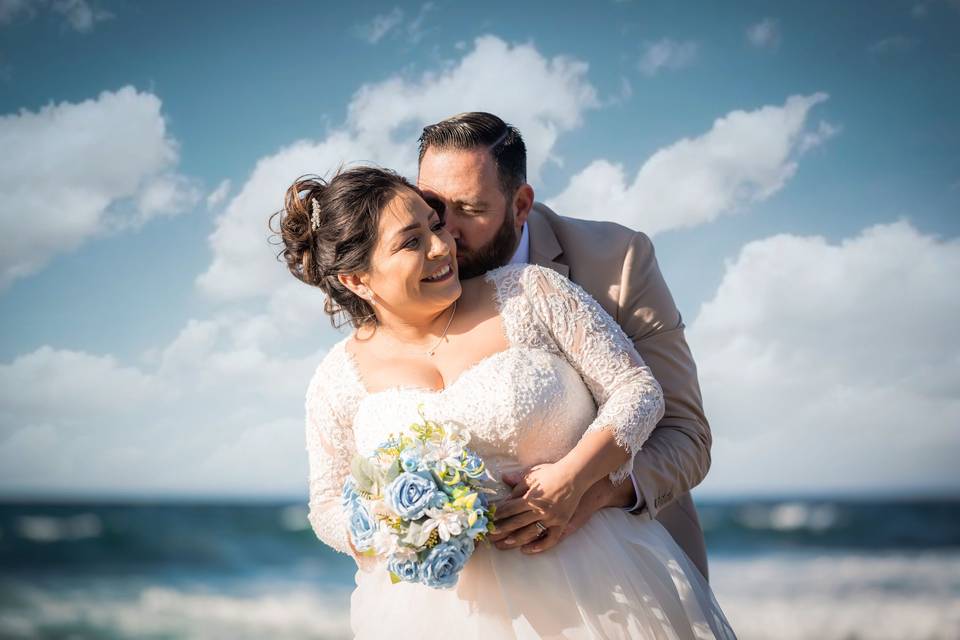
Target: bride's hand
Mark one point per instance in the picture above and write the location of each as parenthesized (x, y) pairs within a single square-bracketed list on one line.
[(547, 493)]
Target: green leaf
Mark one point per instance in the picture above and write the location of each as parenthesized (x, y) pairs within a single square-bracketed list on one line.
[(363, 473), (392, 472)]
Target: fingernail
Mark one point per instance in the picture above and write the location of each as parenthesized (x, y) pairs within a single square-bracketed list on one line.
[(509, 541)]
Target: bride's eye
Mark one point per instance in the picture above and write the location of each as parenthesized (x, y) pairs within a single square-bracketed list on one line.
[(412, 243)]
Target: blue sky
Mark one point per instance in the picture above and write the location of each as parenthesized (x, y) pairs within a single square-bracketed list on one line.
[(797, 164)]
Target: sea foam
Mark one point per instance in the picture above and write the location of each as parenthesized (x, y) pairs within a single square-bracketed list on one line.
[(841, 596), (110, 610)]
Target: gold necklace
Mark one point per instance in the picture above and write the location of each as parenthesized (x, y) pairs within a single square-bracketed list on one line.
[(443, 335), (433, 349)]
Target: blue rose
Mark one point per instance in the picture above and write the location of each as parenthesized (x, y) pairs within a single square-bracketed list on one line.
[(406, 570), (466, 544), (441, 567), (410, 494), (349, 494), (409, 460), (362, 526), (472, 464)]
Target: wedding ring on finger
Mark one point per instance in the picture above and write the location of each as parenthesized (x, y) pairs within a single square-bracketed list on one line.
[(540, 526)]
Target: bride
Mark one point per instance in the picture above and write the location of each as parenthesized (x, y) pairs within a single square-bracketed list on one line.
[(542, 377)]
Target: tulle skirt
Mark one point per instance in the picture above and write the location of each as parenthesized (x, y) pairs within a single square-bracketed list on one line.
[(618, 576)]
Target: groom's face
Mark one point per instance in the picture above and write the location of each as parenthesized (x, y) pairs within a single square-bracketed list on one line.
[(481, 219)]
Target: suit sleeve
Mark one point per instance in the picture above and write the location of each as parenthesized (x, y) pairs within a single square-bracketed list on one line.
[(676, 456)]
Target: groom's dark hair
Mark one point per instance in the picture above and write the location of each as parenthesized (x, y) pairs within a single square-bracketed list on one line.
[(466, 131)]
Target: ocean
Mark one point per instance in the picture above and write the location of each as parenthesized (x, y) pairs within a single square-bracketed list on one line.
[(781, 569)]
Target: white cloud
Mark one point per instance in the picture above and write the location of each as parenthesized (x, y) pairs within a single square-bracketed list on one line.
[(219, 410), (415, 29), (747, 156), (543, 97), (168, 194), (45, 385), (380, 25), (666, 54), (393, 23), (764, 34), (818, 136), (219, 194), (78, 15), (834, 366), (72, 171)]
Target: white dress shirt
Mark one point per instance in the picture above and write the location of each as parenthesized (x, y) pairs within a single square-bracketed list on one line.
[(522, 254)]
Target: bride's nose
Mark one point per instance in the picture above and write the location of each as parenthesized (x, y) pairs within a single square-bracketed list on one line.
[(438, 248)]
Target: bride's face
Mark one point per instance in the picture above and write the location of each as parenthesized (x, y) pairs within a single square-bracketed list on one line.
[(413, 267)]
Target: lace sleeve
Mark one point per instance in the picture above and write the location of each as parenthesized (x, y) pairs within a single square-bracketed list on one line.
[(629, 399), (330, 449)]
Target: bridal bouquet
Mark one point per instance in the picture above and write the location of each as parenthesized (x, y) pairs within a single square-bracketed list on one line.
[(420, 502)]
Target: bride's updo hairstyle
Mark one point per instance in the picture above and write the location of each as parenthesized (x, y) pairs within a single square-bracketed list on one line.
[(337, 234)]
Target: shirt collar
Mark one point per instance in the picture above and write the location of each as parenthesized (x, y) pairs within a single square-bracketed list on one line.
[(522, 254)]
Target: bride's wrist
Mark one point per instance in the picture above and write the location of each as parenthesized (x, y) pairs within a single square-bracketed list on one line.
[(577, 478)]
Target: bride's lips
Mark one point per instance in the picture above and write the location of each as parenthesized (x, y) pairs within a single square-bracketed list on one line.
[(446, 270)]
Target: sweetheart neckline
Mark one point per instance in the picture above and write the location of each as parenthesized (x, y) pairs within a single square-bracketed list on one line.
[(355, 372)]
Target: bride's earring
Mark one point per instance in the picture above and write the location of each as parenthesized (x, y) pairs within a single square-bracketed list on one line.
[(368, 297)]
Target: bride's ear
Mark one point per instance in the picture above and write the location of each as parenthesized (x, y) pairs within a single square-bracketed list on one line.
[(356, 283)]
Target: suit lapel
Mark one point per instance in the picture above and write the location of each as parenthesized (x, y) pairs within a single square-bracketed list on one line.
[(545, 249)]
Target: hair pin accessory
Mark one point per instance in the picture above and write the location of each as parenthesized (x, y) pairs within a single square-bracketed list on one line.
[(315, 217)]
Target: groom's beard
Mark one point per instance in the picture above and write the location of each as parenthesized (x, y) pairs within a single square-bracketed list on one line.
[(495, 253)]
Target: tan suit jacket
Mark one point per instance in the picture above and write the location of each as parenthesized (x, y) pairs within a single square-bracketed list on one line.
[(617, 266)]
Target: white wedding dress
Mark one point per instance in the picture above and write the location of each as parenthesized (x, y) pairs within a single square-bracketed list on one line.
[(569, 369)]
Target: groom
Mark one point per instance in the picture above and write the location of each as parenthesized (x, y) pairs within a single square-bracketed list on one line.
[(473, 166)]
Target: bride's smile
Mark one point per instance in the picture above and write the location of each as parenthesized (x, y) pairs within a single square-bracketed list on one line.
[(441, 274)]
